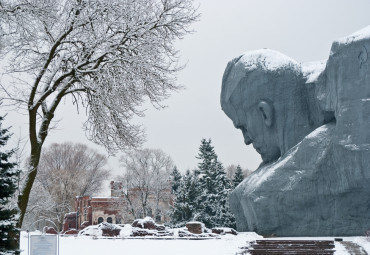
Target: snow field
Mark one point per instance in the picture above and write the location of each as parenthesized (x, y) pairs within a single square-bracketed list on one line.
[(225, 245)]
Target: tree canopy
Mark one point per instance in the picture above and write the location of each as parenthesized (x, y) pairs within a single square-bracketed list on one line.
[(107, 56)]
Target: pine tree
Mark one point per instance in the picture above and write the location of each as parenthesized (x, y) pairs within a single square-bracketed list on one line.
[(213, 207), (238, 176), (186, 198), (176, 179), (222, 215), (8, 184)]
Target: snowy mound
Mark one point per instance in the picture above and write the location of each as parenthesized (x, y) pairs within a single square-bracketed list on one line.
[(312, 70), (102, 229), (267, 60), (147, 223), (147, 228)]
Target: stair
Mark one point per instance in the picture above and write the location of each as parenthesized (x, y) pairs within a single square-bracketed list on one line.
[(287, 247)]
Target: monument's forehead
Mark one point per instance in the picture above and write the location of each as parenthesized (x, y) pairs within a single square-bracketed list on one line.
[(265, 60)]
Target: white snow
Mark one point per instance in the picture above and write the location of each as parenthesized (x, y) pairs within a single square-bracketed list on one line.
[(356, 36), (126, 230), (293, 180), (259, 198), (141, 222), (340, 249), (267, 59), (93, 230), (225, 245), (318, 132), (264, 59), (313, 69), (362, 241), (352, 147), (195, 222)]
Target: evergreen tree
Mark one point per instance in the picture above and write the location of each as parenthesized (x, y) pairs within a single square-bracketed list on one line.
[(223, 216), (176, 179), (8, 184), (186, 198), (238, 176), (213, 207)]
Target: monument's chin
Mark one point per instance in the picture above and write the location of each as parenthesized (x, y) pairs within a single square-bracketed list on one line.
[(319, 187)]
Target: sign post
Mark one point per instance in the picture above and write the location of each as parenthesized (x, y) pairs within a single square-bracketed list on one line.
[(44, 245)]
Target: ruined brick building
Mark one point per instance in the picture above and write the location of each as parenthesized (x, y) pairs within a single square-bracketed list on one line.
[(113, 209)]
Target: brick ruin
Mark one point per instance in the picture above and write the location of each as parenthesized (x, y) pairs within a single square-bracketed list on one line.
[(113, 209)]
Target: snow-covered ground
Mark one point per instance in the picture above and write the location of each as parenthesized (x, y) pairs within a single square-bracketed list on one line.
[(225, 245)]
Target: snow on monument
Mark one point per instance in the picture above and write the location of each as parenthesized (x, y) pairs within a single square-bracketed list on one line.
[(311, 125)]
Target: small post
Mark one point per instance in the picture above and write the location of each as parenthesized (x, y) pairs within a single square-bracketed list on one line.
[(28, 243), (58, 242)]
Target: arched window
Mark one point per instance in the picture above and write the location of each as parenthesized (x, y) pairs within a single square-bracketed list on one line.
[(100, 220), (109, 220)]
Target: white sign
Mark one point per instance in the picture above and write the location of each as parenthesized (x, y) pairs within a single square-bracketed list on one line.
[(44, 245)]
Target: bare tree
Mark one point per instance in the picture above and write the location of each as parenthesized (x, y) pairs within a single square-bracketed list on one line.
[(66, 170), (108, 56), (146, 181)]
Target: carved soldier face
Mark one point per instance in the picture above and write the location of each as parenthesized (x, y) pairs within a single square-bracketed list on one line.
[(266, 96), (255, 118)]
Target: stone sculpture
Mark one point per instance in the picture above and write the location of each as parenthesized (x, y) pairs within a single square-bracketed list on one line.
[(310, 123)]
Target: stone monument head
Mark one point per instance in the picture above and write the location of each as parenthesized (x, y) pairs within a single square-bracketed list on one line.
[(264, 94), (321, 179)]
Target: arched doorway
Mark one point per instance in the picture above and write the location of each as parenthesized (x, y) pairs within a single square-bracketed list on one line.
[(100, 220), (109, 220)]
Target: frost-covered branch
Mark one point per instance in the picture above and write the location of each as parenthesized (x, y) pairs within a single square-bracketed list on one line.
[(111, 56)]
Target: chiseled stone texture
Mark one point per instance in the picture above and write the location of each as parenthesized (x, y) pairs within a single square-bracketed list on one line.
[(320, 186), (308, 192)]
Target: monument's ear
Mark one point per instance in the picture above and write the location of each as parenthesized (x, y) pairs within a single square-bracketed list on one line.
[(267, 111)]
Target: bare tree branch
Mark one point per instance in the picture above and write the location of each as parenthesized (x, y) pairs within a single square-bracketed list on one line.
[(115, 54), (65, 171), (146, 176)]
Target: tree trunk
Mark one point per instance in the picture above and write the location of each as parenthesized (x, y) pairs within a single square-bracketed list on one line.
[(36, 145), (25, 194)]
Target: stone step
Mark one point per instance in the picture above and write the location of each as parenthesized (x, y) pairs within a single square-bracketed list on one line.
[(282, 247)]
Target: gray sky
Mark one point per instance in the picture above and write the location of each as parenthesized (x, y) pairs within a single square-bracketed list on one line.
[(303, 30)]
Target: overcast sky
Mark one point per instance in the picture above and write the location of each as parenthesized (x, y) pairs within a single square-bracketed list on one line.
[(303, 30)]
